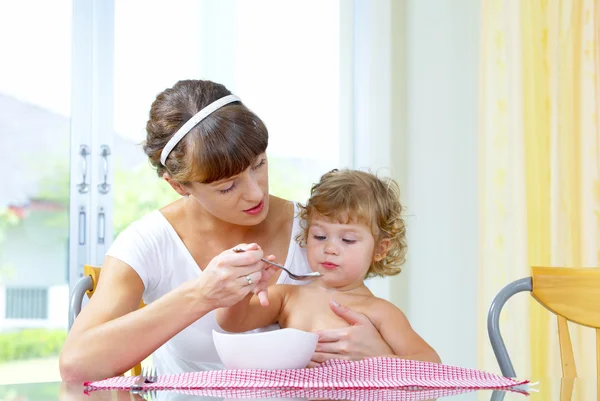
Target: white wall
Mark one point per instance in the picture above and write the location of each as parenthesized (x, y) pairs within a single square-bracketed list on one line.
[(442, 76), (422, 57), (372, 121)]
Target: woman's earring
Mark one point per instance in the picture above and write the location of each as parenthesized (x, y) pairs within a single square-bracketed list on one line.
[(186, 195)]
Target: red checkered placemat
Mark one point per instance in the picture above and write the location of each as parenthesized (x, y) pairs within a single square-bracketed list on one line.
[(373, 373)]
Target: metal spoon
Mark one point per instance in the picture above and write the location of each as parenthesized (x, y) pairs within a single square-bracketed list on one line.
[(299, 277)]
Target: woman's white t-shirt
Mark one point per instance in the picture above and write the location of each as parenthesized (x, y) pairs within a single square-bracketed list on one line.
[(155, 251)]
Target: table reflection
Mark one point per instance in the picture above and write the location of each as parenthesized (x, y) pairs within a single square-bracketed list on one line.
[(546, 389)]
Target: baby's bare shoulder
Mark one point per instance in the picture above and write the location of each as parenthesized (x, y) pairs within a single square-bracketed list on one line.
[(289, 292), (379, 310), (286, 288)]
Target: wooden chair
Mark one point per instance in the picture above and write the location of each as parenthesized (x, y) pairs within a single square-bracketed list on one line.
[(572, 294), (87, 285)]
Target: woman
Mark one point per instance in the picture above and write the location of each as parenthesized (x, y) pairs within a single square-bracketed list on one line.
[(211, 149)]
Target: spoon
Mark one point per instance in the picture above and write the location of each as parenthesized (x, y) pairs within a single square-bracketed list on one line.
[(299, 277)]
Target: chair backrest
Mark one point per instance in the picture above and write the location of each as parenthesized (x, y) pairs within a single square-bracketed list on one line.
[(573, 294), (93, 273)]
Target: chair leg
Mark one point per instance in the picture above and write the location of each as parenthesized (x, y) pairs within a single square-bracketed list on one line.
[(498, 395), (598, 364), (566, 388), (524, 284), (566, 348)]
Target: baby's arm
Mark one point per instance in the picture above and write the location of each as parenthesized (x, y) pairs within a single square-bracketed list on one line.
[(249, 314), (398, 333)]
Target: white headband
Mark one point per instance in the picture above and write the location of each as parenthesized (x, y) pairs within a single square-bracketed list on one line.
[(192, 122)]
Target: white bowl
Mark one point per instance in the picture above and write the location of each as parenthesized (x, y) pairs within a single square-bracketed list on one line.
[(277, 349)]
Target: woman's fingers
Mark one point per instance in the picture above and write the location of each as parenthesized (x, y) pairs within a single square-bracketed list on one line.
[(237, 272), (320, 357), (332, 335), (334, 347), (250, 254), (240, 248), (241, 260), (246, 270), (250, 247), (361, 339), (249, 280)]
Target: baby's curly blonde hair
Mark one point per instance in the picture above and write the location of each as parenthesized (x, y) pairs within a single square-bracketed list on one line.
[(353, 196)]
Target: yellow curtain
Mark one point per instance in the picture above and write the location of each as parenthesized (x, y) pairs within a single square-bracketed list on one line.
[(539, 166)]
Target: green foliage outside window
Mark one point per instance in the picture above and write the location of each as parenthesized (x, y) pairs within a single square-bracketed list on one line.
[(139, 191), (30, 343)]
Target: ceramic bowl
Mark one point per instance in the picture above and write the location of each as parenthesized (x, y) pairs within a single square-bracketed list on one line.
[(277, 349)]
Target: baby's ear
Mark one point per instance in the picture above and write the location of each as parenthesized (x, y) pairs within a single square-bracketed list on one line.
[(382, 249)]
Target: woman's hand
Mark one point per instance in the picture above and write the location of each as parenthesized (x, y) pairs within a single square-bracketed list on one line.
[(360, 340), (230, 276)]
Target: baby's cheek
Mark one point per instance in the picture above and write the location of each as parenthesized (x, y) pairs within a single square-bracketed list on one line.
[(311, 252)]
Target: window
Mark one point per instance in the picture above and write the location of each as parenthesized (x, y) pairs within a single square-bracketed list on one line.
[(35, 87), (262, 51), (72, 122)]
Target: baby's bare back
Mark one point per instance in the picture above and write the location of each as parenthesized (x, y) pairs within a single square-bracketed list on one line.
[(307, 308)]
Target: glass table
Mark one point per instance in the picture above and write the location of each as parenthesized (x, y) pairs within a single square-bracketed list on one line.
[(547, 389)]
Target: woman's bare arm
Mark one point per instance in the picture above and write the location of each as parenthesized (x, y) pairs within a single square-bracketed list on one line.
[(111, 335)]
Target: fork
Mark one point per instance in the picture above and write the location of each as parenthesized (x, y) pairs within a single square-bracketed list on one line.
[(148, 376), (298, 277), (149, 395)]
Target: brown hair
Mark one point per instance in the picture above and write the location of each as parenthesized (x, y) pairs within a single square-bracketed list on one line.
[(222, 145), (353, 196)]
